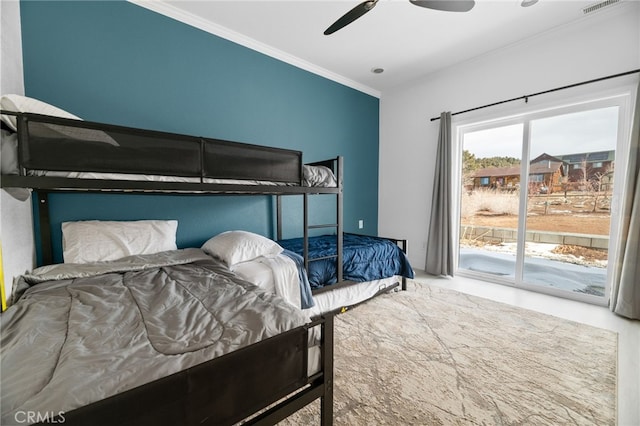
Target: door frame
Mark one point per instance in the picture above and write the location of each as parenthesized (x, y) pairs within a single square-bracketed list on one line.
[(575, 100)]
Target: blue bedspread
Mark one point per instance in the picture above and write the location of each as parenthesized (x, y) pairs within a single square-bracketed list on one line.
[(364, 258)]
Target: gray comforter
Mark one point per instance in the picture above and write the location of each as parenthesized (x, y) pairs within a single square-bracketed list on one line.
[(80, 333)]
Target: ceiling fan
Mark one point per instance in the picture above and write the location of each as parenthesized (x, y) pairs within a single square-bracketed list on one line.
[(364, 7)]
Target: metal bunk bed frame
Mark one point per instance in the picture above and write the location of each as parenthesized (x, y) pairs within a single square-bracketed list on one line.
[(169, 400), (205, 158), (320, 385)]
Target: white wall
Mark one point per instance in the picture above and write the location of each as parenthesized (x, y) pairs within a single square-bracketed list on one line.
[(16, 232), (605, 43)]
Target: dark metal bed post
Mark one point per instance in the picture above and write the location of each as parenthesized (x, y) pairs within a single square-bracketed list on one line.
[(326, 401), (278, 217), (23, 129), (305, 248), (339, 218), (45, 227), (403, 246)]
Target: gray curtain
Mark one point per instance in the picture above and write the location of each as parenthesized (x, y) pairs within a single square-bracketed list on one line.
[(439, 242), (625, 290)]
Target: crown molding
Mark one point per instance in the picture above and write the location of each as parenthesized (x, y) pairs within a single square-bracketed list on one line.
[(173, 12)]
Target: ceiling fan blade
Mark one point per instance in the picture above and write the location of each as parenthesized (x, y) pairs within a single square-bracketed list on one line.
[(446, 5), (351, 16)]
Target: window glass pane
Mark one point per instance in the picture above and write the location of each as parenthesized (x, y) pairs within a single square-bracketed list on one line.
[(567, 225), (489, 200)]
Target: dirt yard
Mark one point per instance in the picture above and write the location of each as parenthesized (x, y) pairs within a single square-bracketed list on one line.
[(576, 213), (579, 223), (585, 223)]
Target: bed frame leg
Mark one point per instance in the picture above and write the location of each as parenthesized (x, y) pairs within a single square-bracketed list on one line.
[(326, 408), (326, 401)]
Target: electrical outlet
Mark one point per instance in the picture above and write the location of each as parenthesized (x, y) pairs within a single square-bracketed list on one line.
[(360, 224)]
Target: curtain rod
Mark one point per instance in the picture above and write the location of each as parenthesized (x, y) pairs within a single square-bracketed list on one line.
[(526, 97)]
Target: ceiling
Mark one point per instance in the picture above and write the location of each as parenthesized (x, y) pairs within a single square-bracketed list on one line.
[(405, 40)]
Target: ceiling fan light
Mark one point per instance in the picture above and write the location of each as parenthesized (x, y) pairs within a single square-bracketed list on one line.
[(527, 3)]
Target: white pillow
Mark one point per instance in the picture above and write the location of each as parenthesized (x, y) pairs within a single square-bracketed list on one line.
[(234, 247), (20, 103), (319, 176), (96, 241)]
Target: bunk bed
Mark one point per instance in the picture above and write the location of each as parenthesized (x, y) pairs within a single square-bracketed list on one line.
[(55, 154), (258, 376)]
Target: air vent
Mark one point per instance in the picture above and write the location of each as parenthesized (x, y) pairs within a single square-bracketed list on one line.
[(599, 6)]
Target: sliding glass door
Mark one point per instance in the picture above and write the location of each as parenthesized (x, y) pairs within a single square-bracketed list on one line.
[(536, 196)]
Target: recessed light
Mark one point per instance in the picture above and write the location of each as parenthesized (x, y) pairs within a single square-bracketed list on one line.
[(377, 70)]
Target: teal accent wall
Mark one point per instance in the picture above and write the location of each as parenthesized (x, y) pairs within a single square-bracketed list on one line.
[(119, 63)]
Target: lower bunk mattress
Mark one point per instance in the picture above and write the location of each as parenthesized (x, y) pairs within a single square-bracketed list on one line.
[(82, 333), (280, 275), (364, 258)]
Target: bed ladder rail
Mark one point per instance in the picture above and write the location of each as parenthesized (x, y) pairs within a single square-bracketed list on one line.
[(336, 165), (339, 231)]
